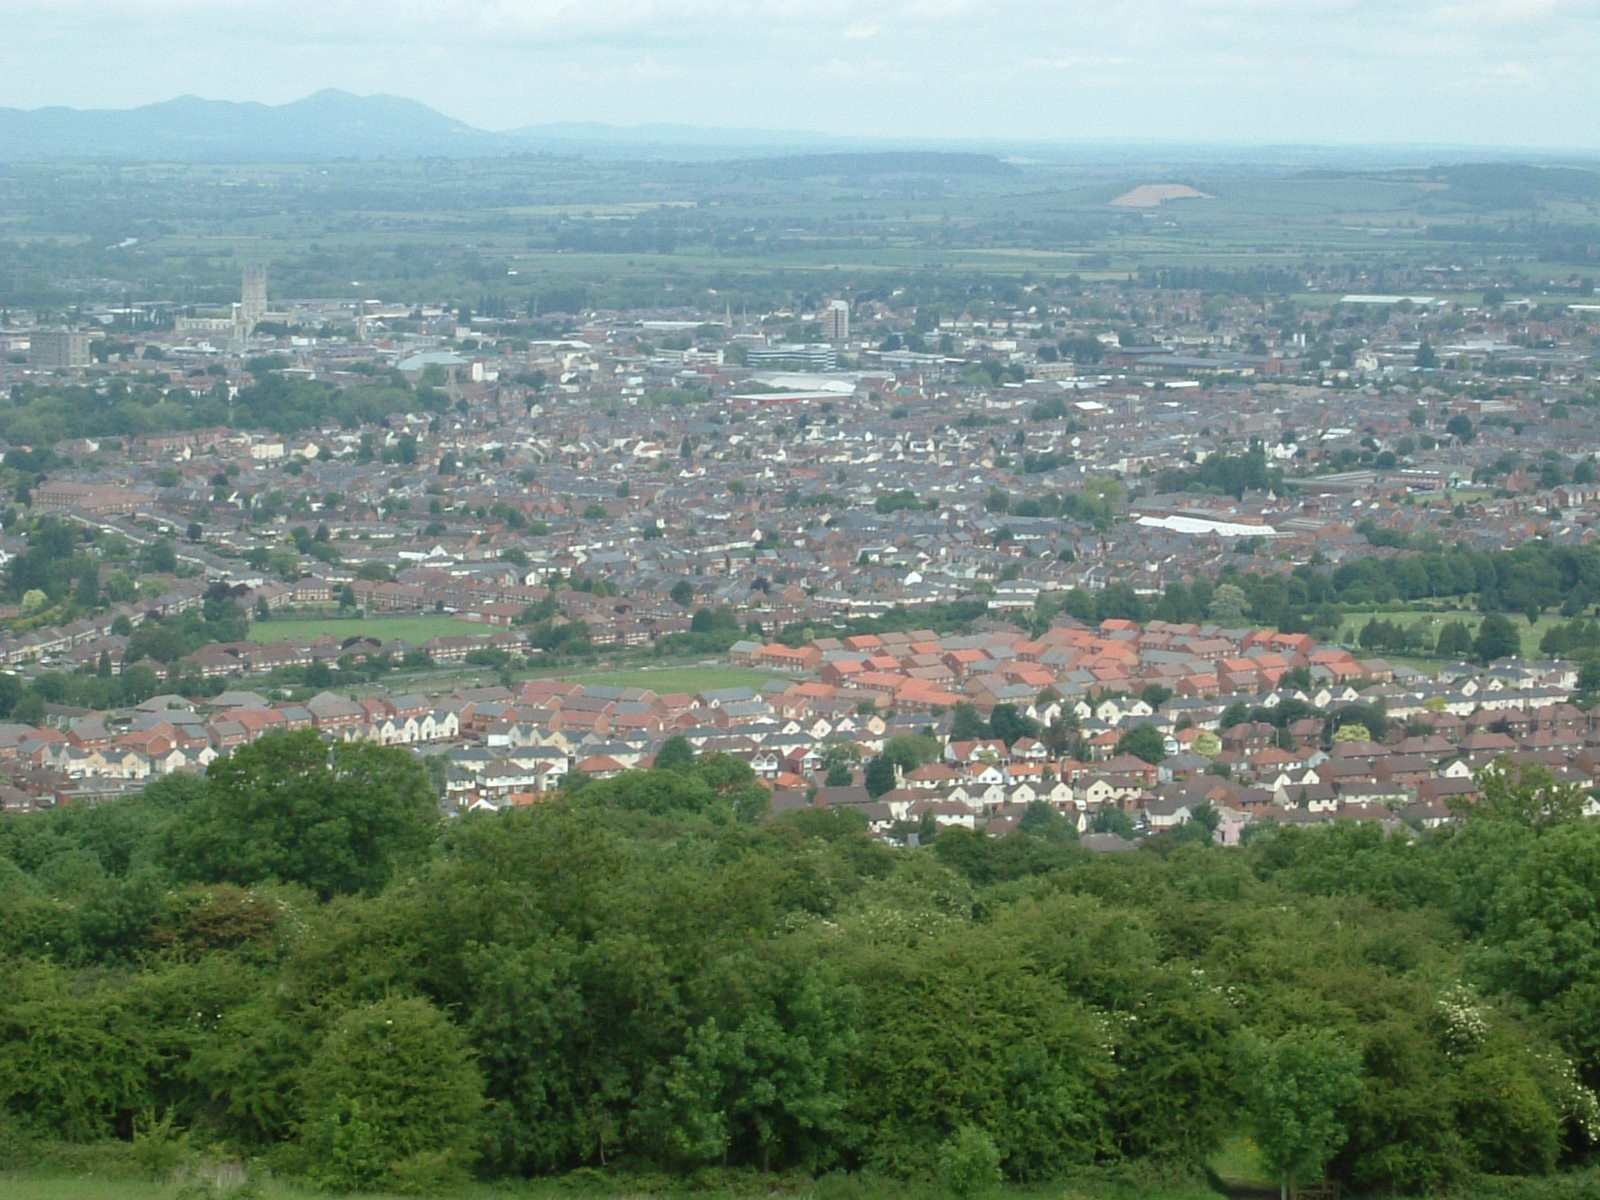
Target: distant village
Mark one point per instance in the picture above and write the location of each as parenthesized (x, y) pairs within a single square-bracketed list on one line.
[(802, 469)]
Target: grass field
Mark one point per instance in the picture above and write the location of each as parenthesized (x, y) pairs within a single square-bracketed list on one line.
[(78, 1187), (1238, 1165), (675, 679), (1530, 634), (580, 1186), (412, 629)]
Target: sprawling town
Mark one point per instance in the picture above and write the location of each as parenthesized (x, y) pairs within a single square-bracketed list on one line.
[(692, 601), (935, 567)]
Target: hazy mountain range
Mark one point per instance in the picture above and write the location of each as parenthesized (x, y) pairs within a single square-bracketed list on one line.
[(337, 124)]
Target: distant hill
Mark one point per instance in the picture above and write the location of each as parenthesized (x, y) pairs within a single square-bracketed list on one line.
[(328, 124), (657, 134), (1496, 185), (336, 124), (1517, 185)]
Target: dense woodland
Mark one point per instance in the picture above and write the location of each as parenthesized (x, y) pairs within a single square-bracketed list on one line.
[(295, 958)]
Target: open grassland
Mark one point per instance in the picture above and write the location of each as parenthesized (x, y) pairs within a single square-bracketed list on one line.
[(412, 629), (1238, 1167), (1433, 621), (1236, 1173), (81, 1187), (599, 1186)]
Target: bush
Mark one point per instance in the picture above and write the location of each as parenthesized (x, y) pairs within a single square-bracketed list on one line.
[(225, 1180), (391, 1099), (158, 1148), (969, 1163)]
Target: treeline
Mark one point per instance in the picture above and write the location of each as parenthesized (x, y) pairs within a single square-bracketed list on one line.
[(944, 616), (1225, 474), (292, 404), (1454, 639), (294, 958), (37, 414), (1528, 580), (1252, 282)]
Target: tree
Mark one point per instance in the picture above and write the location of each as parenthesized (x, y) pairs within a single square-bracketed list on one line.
[(1295, 1087), (1371, 719), (968, 1163), (880, 776), (1297, 679), (87, 591), (839, 775), (159, 557), (1201, 827), (676, 754), (1042, 821), (1526, 794), (1155, 694), (1009, 725), (391, 1100), (1207, 745), (1497, 638), (1229, 605), (1143, 741), (967, 723), (1460, 428), (1111, 819), (682, 593), (74, 1061), (290, 807)]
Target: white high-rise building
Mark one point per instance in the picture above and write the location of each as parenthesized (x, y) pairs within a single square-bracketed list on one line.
[(836, 321)]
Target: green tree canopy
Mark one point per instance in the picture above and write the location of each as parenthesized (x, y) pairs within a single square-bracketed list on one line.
[(290, 807), (391, 1099), (1143, 741)]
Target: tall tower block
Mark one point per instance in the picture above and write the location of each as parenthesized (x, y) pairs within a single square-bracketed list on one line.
[(836, 320), (252, 308)]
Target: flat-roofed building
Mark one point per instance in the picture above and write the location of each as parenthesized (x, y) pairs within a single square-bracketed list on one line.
[(54, 349)]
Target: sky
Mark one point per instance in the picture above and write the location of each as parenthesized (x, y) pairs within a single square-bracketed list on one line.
[(1470, 72)]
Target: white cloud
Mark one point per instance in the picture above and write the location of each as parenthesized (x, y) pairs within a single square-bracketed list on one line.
[(879, 70)]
